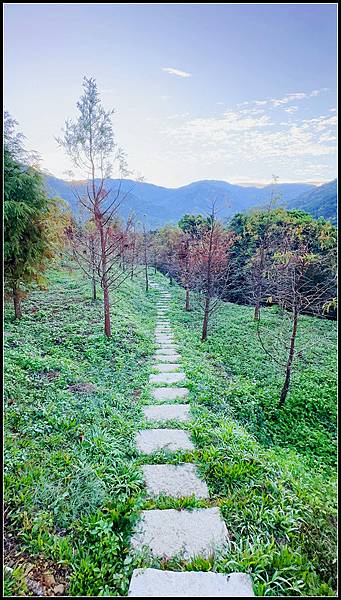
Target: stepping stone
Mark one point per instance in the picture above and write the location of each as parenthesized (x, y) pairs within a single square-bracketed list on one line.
[(169, 393), (170, 357), (167, 377), (168, 533), (154, 583), (152, 440), (176, 481), (167, 412), (167, 368), (166, 350)]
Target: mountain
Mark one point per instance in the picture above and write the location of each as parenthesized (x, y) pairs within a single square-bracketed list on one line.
[(319, 202), (162, 205)]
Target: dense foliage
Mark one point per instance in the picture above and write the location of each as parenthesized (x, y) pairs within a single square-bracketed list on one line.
[(33, 223)]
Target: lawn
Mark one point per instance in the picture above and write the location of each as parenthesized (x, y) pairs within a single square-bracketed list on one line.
[(73, 488)]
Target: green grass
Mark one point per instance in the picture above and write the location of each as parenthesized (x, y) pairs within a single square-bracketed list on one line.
[(71, 408), (73, 488)]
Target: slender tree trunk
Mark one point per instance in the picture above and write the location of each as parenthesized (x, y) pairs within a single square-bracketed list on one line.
[(107, 326), (170, 280), (132, 261), (94, 291), (146, 275), (205, 321), (106, 300), (17, 302), (286, 384), (256, 314), (187, 299)]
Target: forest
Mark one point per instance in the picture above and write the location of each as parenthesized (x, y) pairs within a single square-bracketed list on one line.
[(252, 303)]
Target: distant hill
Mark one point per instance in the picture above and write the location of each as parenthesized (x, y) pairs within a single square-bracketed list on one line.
[(319, 202), (167, 205)]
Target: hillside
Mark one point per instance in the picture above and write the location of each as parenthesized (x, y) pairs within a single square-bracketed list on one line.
[(319, 202), (165, 205), (74, 403)]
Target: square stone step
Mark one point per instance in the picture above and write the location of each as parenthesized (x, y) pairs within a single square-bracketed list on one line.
[(166, 351), (167, 378), (152, 440), (170, 357), (166, 368), (154, 583), (165, 394), (176, 481), (167, 412), (168, 533)]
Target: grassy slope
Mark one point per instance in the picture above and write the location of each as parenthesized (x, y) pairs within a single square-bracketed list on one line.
[(73, 484), (69, 476)]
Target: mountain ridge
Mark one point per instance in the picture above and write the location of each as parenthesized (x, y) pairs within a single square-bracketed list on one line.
[(159, 205)]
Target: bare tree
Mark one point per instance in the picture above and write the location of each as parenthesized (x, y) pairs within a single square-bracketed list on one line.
[(89, 142), (210, 267)]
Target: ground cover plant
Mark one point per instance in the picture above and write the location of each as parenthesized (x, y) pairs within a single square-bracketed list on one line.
[(73, 403), (71, 410)]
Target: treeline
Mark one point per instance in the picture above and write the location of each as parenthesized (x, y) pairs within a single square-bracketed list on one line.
[(268, 257)]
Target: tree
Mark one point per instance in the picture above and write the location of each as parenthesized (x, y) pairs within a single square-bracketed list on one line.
[(193, 227), (303, 280), (166, 244), (210, 267), (33, 226), (90, 143)]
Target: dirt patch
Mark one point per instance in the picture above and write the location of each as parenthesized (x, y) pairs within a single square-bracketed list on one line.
[(42, 577), (82, 388)]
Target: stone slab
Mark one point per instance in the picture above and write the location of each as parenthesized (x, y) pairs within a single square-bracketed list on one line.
[(166, 368), (169, 393), (154, 583), (167, 377), (152, 440), (166, 412), (166, 351), (199, 532), (176, 481), (170, 357)]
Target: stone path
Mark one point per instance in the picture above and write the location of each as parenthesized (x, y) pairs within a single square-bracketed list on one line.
[(181, 533)]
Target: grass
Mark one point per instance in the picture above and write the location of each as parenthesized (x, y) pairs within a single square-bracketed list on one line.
[(73, 488)]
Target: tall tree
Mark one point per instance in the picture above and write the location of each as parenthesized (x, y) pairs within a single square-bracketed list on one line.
[(193, 227), (90, 143), (303, 280), (211, 267), (33, 226)]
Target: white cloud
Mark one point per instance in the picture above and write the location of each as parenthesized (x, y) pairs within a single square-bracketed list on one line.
[(176, 72), (242, 137), (291, 109)]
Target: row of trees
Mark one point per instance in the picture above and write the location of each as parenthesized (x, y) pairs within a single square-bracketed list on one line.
[(269, 257), (272, 256)]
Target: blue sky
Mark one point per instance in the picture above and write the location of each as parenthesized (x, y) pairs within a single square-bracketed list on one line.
[(235, 92)]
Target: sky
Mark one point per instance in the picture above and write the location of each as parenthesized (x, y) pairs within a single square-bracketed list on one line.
[(233, 92)]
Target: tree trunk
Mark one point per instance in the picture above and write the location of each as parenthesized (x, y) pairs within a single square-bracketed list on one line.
[(107, 326), (205, 321), (147, 281), (256, 314), (286, 384), (170, 280), (94, 291), (106, 300), (17, 302), (187, 299)]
